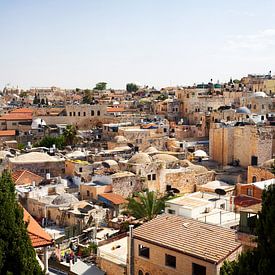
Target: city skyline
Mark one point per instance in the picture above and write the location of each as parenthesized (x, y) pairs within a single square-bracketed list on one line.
[(156, 43)]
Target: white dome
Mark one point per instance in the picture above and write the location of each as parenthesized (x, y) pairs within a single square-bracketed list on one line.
[(200, 153), (259, 94), (38, 123)]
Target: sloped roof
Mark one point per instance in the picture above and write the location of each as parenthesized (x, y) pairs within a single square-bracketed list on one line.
[(16, 175), (114, 198), (17, 116), (6, 133), (191, 237), (39, 237)]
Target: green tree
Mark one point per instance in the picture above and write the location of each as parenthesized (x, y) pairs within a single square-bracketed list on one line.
[(70, 135), (49, 141), (17, 255), (87, 98), (131, 87), (259, 261), (146, 205), (100, 86)]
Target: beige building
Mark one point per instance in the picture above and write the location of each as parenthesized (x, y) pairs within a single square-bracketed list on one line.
[(38, 163), (175, 245), (248, 145)]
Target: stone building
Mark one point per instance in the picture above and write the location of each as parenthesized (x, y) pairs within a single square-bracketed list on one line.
[(38, 163), (175, 245), (261, 173), (163, 172), (248, 145)]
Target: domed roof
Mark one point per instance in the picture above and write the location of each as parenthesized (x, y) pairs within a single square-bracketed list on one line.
[(151, 150), (140, 158), (259, 94), (268, 163), (198, 169), (200, 153), (185, 163), (243, 110), (165, 157), (64, 199), (120, 139)]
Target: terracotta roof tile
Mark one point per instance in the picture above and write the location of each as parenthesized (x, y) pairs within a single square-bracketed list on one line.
[(17, 116), (16, 175), (114, 198), (39, 237), (204, 241), (246, 201), (115, 109), (5, 133), (22, 110)]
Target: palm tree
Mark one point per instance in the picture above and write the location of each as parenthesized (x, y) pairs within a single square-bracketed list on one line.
[(146, 205), (70, 135)]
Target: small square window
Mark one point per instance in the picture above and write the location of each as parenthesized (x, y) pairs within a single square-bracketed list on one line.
[(170, 260), (143, 251), (149, 177), (154, 176)]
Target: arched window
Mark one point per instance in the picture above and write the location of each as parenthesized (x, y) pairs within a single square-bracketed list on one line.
[(254, 179), (140, 272)]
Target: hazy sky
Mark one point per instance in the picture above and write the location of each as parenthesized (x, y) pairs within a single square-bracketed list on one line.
[(77, 43)]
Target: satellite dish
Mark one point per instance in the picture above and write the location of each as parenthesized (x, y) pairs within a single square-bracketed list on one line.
[(220, 192)]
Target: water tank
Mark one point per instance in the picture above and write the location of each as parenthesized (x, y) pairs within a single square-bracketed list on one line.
[(48, 176)]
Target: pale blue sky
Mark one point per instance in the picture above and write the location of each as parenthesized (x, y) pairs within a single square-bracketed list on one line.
[(77, 43)]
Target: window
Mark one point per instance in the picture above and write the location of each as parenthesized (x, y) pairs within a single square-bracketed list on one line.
[(198, 269), (93, 113), (171, 211), (149, 177), (47, 170), (84, 113), (80, 169), (14, 123), (78, 113), (249, 192), (70, 113), (140, 272), (88, 193), (143, 251), (74, 113), (154, 176), (98, 113), (254, 160), (170, 260)]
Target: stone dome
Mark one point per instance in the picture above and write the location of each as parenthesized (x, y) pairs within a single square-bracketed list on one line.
[(185, 163), (198, 169), (166, 158), (120, 139), (140, 158), (65, 198), (151, 150), (243, 110)]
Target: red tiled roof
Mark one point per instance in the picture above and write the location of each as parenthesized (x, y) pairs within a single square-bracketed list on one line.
[(115, 109), (245, 201), (114, 198), (208, 242), (17, 116), (5, 133), (22, 110), (16, 175), (39, 237)]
